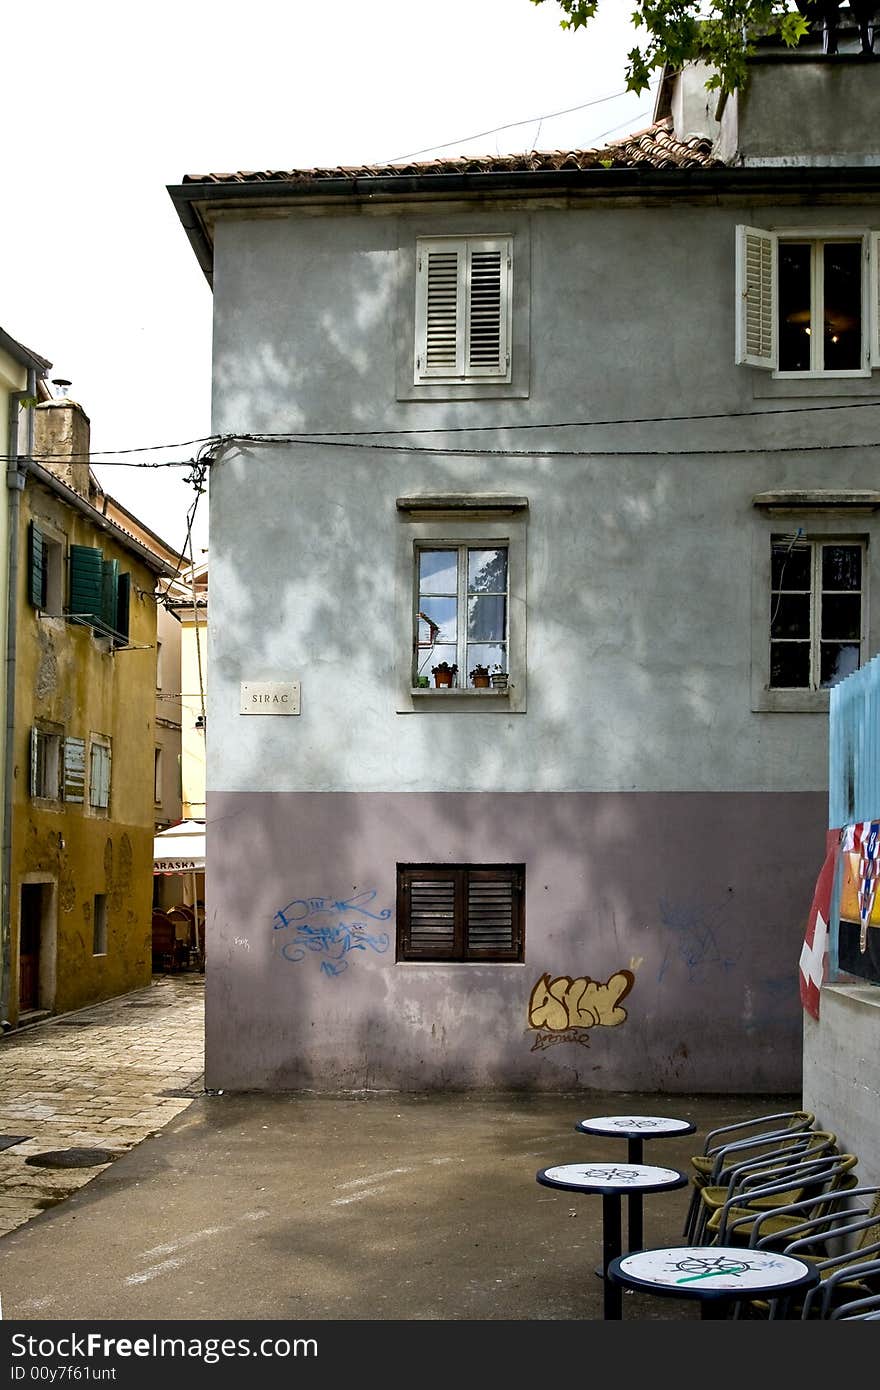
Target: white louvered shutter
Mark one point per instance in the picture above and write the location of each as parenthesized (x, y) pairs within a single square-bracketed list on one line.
[(756, 335), (99, 776), (488, 283), (874, 253), (463, 297), (36, 790), (440, 310), (74, 769)]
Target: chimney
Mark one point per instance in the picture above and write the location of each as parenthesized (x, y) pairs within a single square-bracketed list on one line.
[(61, 439)]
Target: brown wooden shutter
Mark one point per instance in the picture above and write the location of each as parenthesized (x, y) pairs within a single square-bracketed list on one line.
[(429, 913), (460, 912), (494, 916)]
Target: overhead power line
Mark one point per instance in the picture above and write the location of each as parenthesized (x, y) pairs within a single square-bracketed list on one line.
[(511, 125)]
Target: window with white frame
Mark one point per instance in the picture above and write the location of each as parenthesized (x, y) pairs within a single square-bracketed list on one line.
[(461, 613), (817, 610), (808, 302), (99, 773), (463, 309), (460, 599)]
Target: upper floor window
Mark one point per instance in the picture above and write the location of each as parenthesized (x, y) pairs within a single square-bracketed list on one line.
[(99, 773), (461, 614), (463, 309), (99, 595), (808, 304), (45, 570), (816, 611), (57, 764)]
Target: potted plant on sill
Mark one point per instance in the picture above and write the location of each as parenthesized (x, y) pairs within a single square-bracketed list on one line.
[(498, 677), (444, 674), (480, 677)]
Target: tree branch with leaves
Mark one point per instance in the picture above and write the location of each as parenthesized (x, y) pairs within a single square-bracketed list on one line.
[(722, 34)]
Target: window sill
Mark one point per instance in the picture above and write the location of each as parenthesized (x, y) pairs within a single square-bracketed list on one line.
[(453, 693), (462, 700), (766, 387), (792, 701)]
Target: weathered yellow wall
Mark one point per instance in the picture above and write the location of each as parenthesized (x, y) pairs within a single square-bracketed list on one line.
[(66, 675), (13, 377)]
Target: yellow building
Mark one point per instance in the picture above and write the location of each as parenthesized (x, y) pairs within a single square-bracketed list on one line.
[(187, 598), (83, 754), (22, 373)]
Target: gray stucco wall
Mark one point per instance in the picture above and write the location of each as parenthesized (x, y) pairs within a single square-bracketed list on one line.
[(841, 1082), (639, 613)]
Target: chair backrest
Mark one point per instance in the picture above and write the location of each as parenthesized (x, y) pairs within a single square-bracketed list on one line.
[(757, 1125), (822, 1300), (867, 1308), (803, 1180), (813, 1227), (783, 1152)]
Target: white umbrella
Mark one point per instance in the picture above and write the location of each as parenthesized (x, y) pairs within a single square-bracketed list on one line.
[(180, 849)]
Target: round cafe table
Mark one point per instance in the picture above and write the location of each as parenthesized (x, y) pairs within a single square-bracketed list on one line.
[(635, 1129), (717, 1275), (611, 1181)]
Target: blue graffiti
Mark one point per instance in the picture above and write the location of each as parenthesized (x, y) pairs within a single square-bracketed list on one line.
[(301, 908), (697, 944), (334, 942)]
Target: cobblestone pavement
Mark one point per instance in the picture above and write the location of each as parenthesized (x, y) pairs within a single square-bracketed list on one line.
[(102, 1078)]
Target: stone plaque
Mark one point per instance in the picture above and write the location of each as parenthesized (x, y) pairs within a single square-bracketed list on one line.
[(269, 697)]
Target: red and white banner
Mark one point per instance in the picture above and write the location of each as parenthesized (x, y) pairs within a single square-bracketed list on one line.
[(813, 969)]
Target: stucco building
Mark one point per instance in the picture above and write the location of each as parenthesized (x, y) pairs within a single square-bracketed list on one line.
[(81, 756), (595, 418)]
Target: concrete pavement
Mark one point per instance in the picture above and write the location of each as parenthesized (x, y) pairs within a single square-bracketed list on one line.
[(99, 1079), (299, 1206)]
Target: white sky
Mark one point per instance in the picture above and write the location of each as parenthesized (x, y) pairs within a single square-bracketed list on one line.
[(106, 103)]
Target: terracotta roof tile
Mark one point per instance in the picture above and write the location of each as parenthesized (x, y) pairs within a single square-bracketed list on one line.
[(655, 147)]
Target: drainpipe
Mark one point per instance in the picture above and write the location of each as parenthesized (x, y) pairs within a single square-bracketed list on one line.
[(16, 471)]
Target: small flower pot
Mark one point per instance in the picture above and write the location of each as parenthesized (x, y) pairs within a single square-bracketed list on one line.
[(442, 678), (481, 681), (499, 680)]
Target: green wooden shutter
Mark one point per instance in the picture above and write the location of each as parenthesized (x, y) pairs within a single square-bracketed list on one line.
[(86, 582), (123, 605), (109, 594), (36, 567), (74, 769)]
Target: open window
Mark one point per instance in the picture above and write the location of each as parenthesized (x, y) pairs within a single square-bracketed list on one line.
[(808, 303), (99, 595)]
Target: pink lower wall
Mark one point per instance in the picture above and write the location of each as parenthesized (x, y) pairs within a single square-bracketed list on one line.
[(701, 897)]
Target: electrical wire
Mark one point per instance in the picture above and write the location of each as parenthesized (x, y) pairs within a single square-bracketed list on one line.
[(214, 440), (511, 125), (434, 450)]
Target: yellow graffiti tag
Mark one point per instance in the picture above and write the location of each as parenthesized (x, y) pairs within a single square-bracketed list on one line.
[(579, 1003)]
